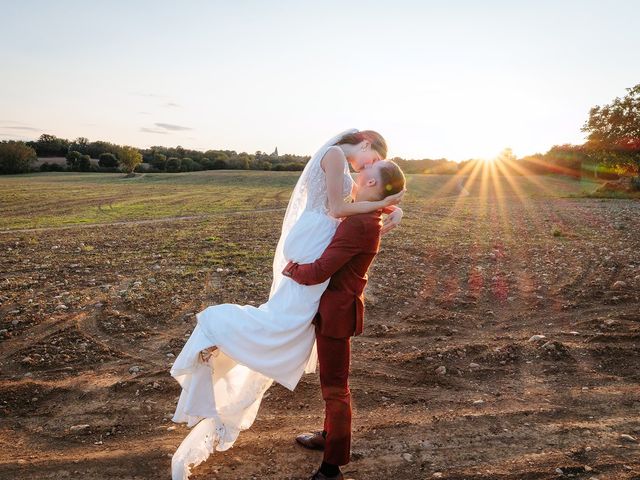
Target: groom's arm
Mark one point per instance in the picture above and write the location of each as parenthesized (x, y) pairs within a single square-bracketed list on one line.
[(347, 242)]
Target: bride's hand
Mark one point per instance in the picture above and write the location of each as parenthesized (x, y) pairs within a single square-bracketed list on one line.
[(391, 221), (393, 199)]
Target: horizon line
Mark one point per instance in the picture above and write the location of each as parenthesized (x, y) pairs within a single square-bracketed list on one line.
[(288, 153)]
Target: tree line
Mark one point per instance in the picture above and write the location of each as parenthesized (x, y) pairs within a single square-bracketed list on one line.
[(612, 148), (20, 156)]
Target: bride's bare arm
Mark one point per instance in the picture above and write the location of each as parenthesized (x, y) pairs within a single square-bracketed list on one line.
[(333, 166)]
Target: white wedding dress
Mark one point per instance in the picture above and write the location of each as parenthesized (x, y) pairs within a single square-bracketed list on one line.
[(256, 345)]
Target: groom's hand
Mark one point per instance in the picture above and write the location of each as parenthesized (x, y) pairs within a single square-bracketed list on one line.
[(392, 220), (287, 269)]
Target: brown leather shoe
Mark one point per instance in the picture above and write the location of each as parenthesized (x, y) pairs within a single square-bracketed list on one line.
[(314, 441), (321, 476)]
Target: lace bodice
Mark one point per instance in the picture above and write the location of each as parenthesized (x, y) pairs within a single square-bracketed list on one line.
[(317, 198), (309, 195)]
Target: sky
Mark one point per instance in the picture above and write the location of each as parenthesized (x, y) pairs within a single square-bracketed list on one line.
[(454, 79)]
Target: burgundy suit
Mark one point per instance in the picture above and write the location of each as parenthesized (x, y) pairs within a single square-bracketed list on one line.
[(340, 316)]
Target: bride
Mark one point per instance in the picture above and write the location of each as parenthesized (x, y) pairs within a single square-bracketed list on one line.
[(235, 352)]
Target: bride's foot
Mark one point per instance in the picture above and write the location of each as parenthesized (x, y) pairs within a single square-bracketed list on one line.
[(205, 354)]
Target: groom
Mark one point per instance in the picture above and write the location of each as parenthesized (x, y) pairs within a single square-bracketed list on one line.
[(341, 311)]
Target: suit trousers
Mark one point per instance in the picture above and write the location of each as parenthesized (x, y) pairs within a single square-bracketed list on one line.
[(334, 356)]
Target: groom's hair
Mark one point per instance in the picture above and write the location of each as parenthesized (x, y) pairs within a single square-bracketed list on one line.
[(392, 178)]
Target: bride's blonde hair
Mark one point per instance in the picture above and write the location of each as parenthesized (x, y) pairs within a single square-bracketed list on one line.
[(377, 141)]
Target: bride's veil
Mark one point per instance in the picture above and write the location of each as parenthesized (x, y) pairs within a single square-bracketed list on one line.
[(295, 207)]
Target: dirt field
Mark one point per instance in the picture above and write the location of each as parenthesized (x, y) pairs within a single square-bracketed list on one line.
[(92, 317)]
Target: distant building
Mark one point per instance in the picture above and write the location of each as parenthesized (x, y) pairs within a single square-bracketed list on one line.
[(275, 153)]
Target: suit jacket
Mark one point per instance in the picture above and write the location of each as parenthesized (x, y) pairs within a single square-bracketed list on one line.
[(346, 261)]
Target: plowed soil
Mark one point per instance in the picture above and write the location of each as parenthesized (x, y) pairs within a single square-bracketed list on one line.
[(446, 380)]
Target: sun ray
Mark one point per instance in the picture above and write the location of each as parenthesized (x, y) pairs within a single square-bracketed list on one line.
[(456, 178), (494, 186), (449, 223), (476, 235), (522, 197), (500, 198), (526, 174), (524, 283), (475, 171)]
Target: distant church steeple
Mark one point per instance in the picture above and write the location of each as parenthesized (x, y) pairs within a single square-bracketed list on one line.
[(276, 152)]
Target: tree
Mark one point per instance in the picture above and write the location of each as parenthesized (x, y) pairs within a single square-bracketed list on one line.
[(107, 160), (94, 149), (173, 164), (159, 161), (79, 144), (187, 165), (84, 163), (50, 146), (614, 132), (288, 166), (73, 159), (264, 165), (129, 158), (51, 167), (243, 161), (220, 164), (506, 156), (16, 157), (566, 159), (217, 160)]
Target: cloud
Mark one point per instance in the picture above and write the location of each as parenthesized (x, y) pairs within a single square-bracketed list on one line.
[(164, 128), (13, 136), (167, 104), (153, 130), (31, 129), (11, 125), (145, 94), (170, 126)]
